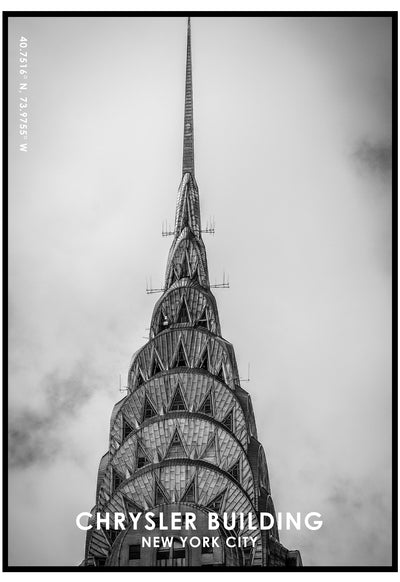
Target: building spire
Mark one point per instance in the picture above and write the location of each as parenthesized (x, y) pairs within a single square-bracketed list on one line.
[(188, 136), (187, 257)]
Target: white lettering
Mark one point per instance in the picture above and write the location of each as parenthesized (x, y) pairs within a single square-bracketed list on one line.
[(317, 523), (176, 520), (162, 526), (101, 520), (119, 521), (150, 521), (135, 518), (78, 520), (251, 526), (262, 520), (190, 518), (229, 526), (213, 521)]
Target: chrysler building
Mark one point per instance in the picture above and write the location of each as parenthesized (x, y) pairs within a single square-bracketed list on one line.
[(184, 438)]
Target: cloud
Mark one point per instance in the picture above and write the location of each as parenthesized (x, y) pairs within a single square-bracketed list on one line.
[(36, 436), (374, 156), (367, 509)]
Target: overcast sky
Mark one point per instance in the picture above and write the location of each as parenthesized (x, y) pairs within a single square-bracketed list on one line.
[(293, 160)]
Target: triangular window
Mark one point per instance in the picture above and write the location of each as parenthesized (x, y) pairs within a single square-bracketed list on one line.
[(202, 322), (177, 402), (163, 322), (116, 479), (235, 471), (220, 374), (209, 452), (131, 507), (148, 409), (142, 458), (126, 429), (139, 379), (174, 277), (160, 496), (176, 448), (180, 360), (185, 272), (189, 495), (228, 421), (156, 368), (111, 534), (216, 503), (183, 315), (203, 363), (206, 407)]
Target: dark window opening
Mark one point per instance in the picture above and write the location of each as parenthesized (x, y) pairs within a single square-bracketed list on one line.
[(185, 270), (235, 471), (220, 374), (206, 407), (126, 429), (180, 361), (142, 458), (134, 552), (160, 496), (174, 556), (216, 503), (183, 315), (202, 322), (164, 322), (206, 549), (177, 402), (101, 562), (178, 557), (140, 379), (142, 462), (189, 495), (228, 421), (247, 554), (162, 557), (112, 535), (148, 409), (156, 368), (117, 480)]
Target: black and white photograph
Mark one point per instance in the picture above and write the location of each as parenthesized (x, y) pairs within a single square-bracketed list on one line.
[(200, 275)]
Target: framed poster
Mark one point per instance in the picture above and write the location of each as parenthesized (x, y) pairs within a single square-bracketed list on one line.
[(200, 274)]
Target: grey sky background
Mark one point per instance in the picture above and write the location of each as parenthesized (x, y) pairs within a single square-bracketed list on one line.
[(293, 159)]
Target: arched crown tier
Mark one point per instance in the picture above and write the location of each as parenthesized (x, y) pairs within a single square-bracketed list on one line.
[(184, 348), (185, 304)]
